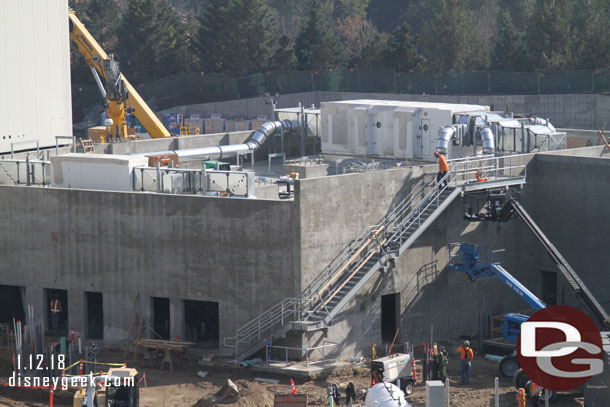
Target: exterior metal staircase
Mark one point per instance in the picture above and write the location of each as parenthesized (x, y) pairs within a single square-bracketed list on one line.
[(370, 253), (349, 271)]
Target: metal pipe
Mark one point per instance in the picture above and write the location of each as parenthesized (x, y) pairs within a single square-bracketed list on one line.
[(444, 140), (254, 142), (487, 139)]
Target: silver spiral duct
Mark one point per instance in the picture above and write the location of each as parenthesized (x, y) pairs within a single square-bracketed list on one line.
[(254, 142), (487, 138), (444, 140)]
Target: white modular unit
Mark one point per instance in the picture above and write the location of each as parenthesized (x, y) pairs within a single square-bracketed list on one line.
[(95, 171), (35, 93), (386, 129)]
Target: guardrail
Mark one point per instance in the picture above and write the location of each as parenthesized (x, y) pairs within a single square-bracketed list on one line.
[(303, 353), (25, 172), (392, 229)]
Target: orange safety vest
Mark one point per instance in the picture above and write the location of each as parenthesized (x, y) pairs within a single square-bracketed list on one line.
[(442, 163), (536, 390), (55, 306), (465, 353)]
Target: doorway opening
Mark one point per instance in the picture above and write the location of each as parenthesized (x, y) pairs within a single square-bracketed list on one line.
[(161, 325), (11, 303), (549, 287), (94, 315), (201, 322), (390, 316), (57, 311)]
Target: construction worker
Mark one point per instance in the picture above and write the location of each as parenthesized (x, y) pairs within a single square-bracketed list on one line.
[(443, 167), (521, 397), (55, 313), (536, 393), (466, 356)]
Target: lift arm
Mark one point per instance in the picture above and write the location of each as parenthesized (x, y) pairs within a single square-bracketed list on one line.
[(97, 58), (517, 287), (578, 286), (469, 263)]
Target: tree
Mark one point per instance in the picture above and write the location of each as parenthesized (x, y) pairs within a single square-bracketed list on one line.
[(401, 50), (152, 40), (348, 8), (284, 58), (508, 50), (550, 36), (103, 19), (79, 71), (591, 39), (317, 47), (357, 35), (237, 36), (449, 40)]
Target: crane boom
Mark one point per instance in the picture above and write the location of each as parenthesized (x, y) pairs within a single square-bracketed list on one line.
[(126, 95), (575, 282)]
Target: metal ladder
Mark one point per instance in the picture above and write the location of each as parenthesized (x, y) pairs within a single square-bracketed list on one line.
[(349, 271)]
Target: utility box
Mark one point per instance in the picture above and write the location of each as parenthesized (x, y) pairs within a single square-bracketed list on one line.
[(435, 393), (95, 171), (387, 129)]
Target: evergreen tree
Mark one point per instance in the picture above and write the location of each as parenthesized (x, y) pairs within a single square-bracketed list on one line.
[(103, 19), (508, 50), (550, 36), (237, 36), (317, 47), (401, 50), (79, 71), (448, 39), (151, 41), (351, 8), (591, 39)]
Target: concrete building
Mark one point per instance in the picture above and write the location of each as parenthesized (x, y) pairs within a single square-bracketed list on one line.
[(202, 266)]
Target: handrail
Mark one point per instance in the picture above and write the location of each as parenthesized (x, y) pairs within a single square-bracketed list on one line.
[(394, 225)]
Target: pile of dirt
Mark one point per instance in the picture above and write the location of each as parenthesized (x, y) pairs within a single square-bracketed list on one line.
[(251, 394)]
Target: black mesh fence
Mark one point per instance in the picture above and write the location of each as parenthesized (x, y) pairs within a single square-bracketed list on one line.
[(183, 89)]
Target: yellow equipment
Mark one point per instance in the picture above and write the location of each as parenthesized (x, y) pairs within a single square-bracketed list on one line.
[(118, 92)]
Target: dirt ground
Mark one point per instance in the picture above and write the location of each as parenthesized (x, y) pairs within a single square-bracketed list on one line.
[(183, 388)]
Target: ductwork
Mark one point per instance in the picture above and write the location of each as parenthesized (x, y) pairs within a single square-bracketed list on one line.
[(254, 142), (487, 139), (444, 140)]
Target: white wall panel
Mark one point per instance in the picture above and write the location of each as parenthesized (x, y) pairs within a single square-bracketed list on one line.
[(35, 94)]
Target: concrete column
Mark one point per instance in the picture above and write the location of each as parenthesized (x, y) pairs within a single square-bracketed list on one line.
[(34, 295), (76, 311), (176, 317)]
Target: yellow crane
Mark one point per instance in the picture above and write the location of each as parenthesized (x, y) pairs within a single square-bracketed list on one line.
[(118, 92)]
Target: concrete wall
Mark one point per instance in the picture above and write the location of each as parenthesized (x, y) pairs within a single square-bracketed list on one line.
[(430, 294), (181, 247), (577, 111), (572, 210)]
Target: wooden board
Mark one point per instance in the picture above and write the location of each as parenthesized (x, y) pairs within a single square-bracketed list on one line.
[(299, 400)]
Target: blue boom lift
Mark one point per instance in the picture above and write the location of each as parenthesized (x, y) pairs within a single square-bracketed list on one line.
[(468, 261)]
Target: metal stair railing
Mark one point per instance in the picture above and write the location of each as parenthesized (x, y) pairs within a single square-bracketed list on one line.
[(394, 225), (415, 215), (402, 212), (296, 309)]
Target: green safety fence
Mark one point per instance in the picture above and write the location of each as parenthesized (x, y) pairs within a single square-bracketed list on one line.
[(191, 88)]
